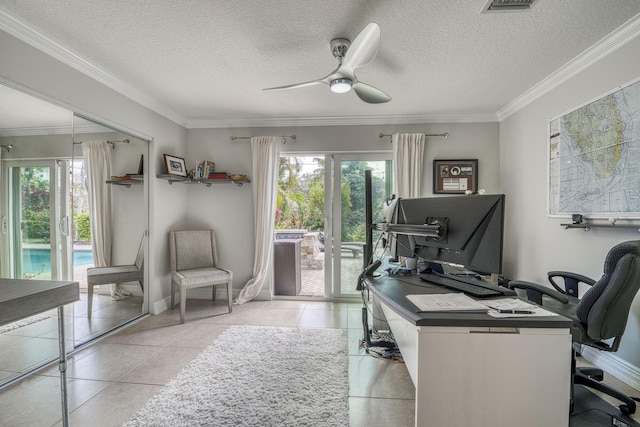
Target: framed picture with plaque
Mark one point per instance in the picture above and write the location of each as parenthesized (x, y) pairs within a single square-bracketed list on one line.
[(455, 176)]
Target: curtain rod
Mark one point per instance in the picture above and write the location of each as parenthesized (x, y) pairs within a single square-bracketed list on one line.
[(284, 141), (444, 135), (112, 143)]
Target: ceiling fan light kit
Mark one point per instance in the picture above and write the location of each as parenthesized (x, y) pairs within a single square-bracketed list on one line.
[(340, 85), (351, 56)]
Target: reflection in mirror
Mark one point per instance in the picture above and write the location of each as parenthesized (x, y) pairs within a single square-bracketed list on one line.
[(109, 223), (40, 166), (36, 138)]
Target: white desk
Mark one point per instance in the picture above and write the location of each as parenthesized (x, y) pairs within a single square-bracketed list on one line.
[(476, 370), (24, 298)]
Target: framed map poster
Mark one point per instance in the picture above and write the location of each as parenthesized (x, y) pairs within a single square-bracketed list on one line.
[(594, 157)]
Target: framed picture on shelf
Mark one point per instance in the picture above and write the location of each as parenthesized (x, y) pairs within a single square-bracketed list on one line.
[(175, 165), (455, 176)]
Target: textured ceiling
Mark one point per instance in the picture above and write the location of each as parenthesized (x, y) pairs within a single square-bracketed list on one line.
[(207, 61)]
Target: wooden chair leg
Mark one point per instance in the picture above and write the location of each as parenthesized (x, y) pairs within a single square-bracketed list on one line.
[(89, 300), (230, 295), (213, 292), (183, 303), (173, 294)]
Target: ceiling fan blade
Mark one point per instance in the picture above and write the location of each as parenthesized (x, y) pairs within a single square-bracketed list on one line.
[(370, 94), (298, 85), (363, 49)]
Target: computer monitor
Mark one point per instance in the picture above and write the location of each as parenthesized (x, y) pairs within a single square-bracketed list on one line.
[(464, 230)]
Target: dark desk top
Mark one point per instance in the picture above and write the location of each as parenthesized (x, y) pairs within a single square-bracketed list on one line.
[(24, 298), (393, 291)]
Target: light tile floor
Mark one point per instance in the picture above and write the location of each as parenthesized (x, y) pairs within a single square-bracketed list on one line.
[(111, 379)]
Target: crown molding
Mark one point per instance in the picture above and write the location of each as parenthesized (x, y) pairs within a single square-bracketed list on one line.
[(618, 38), (36, 131), (18, 28), (340, 121), (54, 130)]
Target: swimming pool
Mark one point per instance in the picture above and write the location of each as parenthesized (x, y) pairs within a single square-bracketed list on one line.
[(39, 260)]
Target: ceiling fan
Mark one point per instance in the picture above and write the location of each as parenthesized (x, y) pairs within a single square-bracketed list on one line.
[(351, 56)]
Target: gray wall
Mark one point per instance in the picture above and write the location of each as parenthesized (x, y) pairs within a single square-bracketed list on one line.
[(229, 209), (535, 243)]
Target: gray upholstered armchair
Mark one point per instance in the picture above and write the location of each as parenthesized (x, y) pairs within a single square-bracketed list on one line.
[(194, 264), (600, 315)]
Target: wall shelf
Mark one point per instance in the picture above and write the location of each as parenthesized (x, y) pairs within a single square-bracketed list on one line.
[(587, 226), (135, 180), (207, 182)]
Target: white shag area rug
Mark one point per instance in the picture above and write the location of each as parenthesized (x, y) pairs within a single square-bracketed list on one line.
[(258, 376), (24, 322)]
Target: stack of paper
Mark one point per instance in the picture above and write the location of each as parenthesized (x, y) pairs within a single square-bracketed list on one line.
[(514, 307), (454, 302)]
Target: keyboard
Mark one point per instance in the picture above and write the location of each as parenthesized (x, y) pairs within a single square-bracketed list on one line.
[(470, 286)]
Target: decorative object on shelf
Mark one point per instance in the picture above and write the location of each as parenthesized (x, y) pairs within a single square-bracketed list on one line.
[(141, 165), (203, 169), (455, 176), (480, 192), (218, 175), (235, 176), (175, 165)]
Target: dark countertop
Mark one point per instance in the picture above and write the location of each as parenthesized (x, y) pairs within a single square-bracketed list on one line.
[(392, 290)]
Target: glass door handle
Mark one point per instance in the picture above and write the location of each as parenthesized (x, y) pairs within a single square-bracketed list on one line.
[(63, 226)]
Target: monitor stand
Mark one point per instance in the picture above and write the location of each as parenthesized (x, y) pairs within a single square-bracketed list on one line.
[(432, 267)]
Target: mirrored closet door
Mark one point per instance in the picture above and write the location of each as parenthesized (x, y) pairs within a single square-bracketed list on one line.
[(45, 231), (110, 217), (35, 153)]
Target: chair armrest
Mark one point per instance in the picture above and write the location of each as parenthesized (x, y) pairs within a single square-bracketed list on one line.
[(570, 281), (535, 291)]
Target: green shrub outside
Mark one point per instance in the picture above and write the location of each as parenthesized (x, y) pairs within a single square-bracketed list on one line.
[(83, 227)]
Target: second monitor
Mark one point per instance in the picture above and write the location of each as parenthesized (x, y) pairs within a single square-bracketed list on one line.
[(464, 230)]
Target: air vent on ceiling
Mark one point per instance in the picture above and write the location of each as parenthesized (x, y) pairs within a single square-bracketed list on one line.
[(493, 6)]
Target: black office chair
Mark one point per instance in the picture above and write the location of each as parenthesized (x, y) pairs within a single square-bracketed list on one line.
[(601, 313)]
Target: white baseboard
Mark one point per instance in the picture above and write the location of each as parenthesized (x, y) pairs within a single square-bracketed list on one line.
[(161, 306), (613, 365)]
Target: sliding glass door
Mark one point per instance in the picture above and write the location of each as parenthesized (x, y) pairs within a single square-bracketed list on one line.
[(348, 214), (37, 224), (321, 215)]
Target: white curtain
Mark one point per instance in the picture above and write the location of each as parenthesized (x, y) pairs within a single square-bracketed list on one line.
[(97, 162), (265, 152), (408, 159)]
